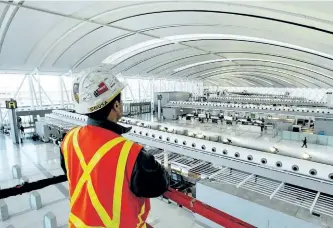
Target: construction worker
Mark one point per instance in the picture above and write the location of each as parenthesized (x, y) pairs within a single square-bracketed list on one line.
[(110, 177)]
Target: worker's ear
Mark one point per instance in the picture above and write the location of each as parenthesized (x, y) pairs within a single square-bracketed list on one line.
[(117, 107)]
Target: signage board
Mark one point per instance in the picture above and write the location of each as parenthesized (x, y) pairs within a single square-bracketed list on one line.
[(12, 104)]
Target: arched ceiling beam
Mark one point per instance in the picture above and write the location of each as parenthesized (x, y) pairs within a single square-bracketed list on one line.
[(194, 75), (249, 60), (252, 81), (278, 56), (125, 29), (123, 55), (246, 66), (134, 50), (152, 57), (232, 82), (233, 13), (174, 61), (264, 42), (267, 76), (269, 82), (6, 21), (116, 39), (164, 63), (266, 71)]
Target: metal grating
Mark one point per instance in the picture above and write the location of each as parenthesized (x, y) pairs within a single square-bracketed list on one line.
[(153, 151), (205, 169), (296, 195), (171, 157), (187, 161), (312, 200), (324, 205), (231, 176), (261, 185)]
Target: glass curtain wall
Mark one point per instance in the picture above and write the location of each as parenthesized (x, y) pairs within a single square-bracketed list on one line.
[(55, 89), (143, 89)]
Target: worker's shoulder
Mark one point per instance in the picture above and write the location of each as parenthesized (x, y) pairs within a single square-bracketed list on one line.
[(104, 134), (98, 132)]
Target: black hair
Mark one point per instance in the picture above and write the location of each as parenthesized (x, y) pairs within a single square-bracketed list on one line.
[(103, 113)]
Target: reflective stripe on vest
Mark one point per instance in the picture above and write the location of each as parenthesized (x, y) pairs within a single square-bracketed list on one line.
[(140, 217), (65, 151), (86, 178)]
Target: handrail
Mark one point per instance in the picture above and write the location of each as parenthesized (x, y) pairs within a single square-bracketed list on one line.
[(180, 198)]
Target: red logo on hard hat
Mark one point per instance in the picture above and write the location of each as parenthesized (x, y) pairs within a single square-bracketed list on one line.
[(102, 88)]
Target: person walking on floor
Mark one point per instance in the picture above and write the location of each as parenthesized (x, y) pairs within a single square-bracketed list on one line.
[(304, 143), (110, 178)]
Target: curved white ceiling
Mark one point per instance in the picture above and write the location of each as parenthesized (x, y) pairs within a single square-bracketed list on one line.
[(265, 44)]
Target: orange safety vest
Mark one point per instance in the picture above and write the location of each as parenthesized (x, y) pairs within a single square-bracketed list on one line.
[(99, 166)]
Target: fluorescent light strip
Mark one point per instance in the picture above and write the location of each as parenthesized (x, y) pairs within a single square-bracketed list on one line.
[(132, 50)]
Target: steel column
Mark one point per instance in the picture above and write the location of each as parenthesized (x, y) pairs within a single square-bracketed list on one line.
[(14, 131), (64, 86), (159, 106), (31, 92), (39, 91), (43, 91), (20, 86)]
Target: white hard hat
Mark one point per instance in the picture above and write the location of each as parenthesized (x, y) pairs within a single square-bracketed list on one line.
[(94, 88)]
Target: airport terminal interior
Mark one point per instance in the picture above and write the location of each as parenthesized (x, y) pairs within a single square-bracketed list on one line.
[(233, 98)]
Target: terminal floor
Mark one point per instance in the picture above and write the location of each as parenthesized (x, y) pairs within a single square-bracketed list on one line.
[(248, 131), (41, 160), (253, 133)]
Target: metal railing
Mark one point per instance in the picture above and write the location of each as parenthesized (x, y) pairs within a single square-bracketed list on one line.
[(180, 198)]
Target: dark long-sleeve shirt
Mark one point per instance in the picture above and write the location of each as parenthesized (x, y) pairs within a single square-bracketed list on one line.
[(149, 179)]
